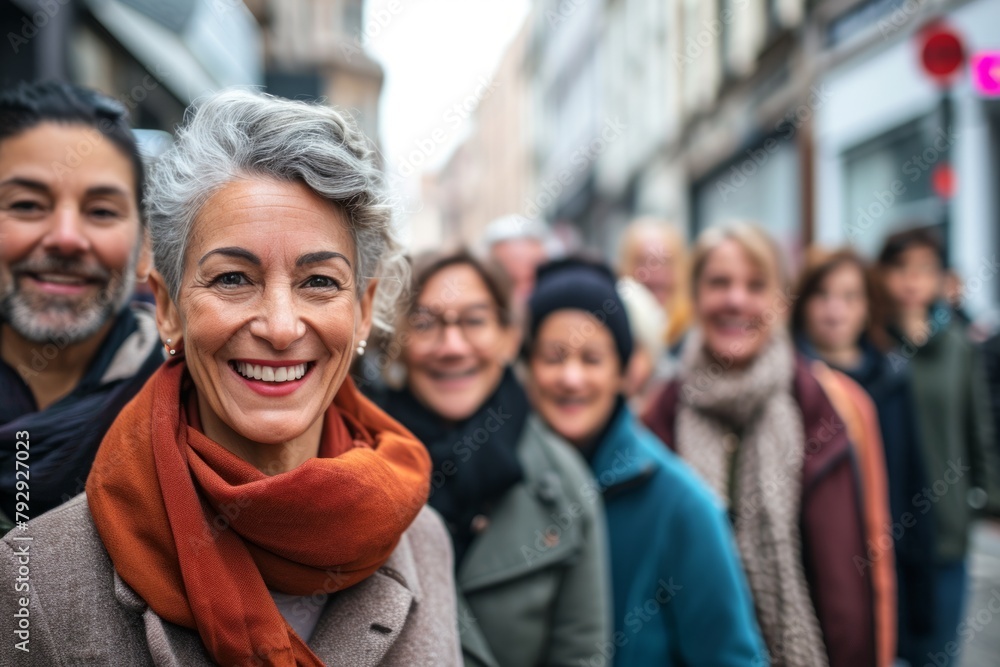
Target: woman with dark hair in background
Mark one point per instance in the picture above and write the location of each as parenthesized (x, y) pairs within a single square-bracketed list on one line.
[(837, 319), (680, 595), (752, 420), (953, 416), (530, 555)]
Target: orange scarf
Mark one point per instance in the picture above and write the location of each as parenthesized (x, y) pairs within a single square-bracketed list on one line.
[(201, 535)]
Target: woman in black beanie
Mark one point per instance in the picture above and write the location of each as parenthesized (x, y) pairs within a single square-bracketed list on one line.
[(673, 559)]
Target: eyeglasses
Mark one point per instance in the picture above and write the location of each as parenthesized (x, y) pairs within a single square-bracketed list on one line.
[(476, 323)]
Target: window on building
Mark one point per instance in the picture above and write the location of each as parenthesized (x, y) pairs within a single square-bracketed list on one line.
[(353, 16), (888, 183), (759, 184)]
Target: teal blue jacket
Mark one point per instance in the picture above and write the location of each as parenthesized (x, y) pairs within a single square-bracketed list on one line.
[(680, 594)]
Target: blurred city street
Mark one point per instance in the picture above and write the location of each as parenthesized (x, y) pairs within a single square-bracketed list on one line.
[(983, 607), (808, 190)]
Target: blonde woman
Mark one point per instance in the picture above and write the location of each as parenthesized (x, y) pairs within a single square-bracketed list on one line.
[(747, 414), (653, 252)]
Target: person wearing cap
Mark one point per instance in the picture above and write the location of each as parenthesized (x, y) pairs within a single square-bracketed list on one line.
[(73, 350), (517, 245), (680, 596), (531, 566)]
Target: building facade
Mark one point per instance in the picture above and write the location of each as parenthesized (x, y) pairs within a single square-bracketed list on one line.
[(892, 152), (491, 171), (315, 49), (799, 115), (154, 56)]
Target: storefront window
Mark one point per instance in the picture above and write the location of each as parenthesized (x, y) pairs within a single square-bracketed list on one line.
[(888, 183), (761, 185)]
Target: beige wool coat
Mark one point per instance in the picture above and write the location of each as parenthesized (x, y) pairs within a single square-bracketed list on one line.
[(82, 613)]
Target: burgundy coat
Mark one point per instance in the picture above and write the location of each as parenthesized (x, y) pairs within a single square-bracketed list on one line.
[(831, 521)]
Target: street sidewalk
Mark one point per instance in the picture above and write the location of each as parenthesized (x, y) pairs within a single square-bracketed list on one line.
[(980, 629)]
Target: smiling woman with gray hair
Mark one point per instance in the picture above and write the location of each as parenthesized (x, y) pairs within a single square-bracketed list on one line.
[(250, 506)]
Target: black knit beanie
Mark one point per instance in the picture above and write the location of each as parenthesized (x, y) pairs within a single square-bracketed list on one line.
[(580, 284)]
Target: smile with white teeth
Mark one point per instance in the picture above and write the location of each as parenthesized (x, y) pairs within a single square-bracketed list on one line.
[(269, 373), (60, 278)]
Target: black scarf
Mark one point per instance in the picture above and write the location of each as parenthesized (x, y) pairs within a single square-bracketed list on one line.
[(63, 438), (475, 461)]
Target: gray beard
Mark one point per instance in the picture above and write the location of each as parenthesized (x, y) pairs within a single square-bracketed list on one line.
[(63, 320)]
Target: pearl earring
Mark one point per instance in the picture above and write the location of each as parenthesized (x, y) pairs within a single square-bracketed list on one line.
[(171, 350), (361, 347)]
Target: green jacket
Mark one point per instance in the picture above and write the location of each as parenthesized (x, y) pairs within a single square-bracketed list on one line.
[(953, 412), (534, 587)]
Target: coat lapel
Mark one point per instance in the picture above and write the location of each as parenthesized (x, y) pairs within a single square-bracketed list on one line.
[(360, 624), (618, 464), (357, 628), (476, 649), (523, 535), (169, 645)]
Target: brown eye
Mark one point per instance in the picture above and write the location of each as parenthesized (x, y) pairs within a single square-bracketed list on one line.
[(27, 208), (321, 282), (104, 213), (231, 279)]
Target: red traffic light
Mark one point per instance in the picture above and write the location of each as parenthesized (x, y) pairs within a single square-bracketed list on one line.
[(943, 181), (942, 52)]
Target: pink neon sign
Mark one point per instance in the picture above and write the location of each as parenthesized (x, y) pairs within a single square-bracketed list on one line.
[(986, 73)]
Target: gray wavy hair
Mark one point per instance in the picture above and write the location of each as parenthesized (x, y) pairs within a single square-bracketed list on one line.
[(236, 134)]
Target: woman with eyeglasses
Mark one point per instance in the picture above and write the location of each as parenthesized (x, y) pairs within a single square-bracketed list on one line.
[(524, 516)]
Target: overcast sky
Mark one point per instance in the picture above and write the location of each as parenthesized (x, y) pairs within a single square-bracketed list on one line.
[(436, 54)]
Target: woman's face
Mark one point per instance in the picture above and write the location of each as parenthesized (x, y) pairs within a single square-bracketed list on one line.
[(268, 312), (735, 305), (455, 348), (576, 375), (836, 314), (70, 236), (916, 280)]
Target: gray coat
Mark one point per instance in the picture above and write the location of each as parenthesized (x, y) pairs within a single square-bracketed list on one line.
[(82, 613), (534, 587)]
